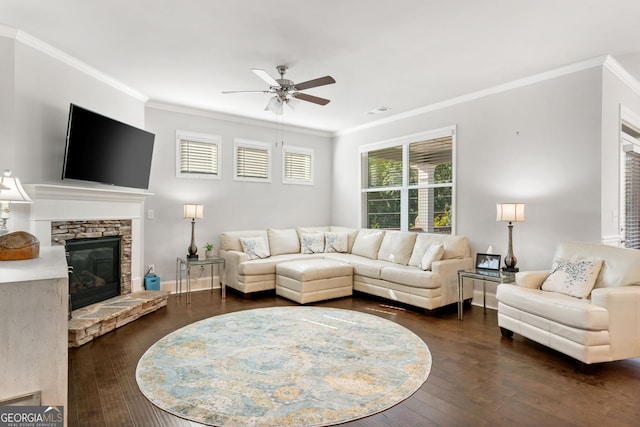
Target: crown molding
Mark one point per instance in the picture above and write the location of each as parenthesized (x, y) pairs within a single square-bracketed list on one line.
[(620, 72), (233, 118), (57, 54), (527, 81)]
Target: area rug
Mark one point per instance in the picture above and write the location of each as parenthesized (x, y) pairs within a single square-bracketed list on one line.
[(284, 366)]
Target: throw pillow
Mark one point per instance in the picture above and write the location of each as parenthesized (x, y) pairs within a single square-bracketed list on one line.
[(433, 253), (368, 243), (336, 242), (575, 277), (312, 243), (255, 247)]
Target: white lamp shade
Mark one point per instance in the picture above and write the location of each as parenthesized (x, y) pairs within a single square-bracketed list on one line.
[(14, 192), (193, 211), (513, 212)]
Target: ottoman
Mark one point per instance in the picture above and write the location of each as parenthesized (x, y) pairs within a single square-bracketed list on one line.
[(311, 280)]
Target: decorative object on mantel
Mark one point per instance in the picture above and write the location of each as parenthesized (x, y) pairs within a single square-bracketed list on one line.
[(11, 191), (18, 246), (208, 250), (510, 212), (193, 212)]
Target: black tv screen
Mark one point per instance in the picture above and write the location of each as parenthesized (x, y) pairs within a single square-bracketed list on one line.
[(101, 149)]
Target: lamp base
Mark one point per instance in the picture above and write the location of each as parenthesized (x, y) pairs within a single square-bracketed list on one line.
[(510, 269), (194, 256)]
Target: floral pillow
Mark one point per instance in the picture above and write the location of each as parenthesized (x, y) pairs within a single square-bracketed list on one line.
[(575, 277), (336, 242), (433, 253), (312, 243), (255, 247)]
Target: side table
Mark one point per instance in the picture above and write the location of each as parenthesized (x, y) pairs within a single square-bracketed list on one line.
[(188, 263), (484, 277)]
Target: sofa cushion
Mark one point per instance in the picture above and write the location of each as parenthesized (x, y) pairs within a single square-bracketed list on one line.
[(312, 243), (255, 247), (283, 241), (367, 243), (230, 240), (433, 253), (397, 247), (620, 267), (411, 276), (575, 277), (336, 242), (361, 265), (564, 309), (352, 232), (454, 246)]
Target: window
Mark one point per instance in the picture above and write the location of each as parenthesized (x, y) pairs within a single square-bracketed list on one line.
[(631, 190), (408, 184), (252, 161), (197, 155), (297, 165)]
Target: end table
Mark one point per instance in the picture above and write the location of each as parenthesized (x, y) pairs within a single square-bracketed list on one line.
[(188, 263), (484, 277)]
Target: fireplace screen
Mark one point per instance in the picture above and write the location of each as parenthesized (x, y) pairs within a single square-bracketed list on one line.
[(95, 274)]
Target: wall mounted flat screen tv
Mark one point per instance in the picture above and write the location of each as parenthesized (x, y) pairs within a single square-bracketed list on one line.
[(101, 149)]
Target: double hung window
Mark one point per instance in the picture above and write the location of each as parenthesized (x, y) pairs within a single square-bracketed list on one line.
[(408, 184)]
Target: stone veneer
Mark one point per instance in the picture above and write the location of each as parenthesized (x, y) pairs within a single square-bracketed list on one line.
[(61, 231), (97, 319)]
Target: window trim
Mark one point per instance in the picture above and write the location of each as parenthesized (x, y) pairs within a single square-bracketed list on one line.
[(246, 143), (203, 138), (298, 150), (406, 141)]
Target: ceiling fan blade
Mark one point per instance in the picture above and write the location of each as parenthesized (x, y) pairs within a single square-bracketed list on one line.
[(326, 80), (310, 98), (266, 77), (246, 91)]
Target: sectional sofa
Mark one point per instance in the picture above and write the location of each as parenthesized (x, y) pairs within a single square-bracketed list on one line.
[(418, 269)]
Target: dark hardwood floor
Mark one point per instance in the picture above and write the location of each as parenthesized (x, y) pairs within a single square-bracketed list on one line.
[(478, 378)]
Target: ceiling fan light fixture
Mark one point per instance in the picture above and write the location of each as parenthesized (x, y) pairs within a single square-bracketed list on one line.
[(274, 105)]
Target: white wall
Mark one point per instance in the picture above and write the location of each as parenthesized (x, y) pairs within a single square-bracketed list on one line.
[(228, 205), (538, 144)]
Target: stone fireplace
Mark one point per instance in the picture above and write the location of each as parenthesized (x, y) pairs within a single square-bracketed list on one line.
[(100, 257)]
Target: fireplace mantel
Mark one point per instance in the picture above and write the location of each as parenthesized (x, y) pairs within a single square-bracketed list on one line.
[(66, 192), (55, 202)]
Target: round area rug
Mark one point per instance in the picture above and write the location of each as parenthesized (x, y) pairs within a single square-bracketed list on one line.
[(284, 366)]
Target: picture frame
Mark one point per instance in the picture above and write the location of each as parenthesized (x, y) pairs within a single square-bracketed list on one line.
[(488, 262)]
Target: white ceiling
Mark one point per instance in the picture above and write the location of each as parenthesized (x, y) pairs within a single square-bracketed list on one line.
[(402, 54)]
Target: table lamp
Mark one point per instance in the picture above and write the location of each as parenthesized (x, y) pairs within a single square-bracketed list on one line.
[(11, 191), (193, 212), (510, 212)]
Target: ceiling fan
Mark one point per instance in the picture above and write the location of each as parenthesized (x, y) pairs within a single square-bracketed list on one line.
[(286, 91)]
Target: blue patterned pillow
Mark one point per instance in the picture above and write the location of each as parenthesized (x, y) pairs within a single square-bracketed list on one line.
[(254, 247), (575, 277), (336, 242), (312, 243)]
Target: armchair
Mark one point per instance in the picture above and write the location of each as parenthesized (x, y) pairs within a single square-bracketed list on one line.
[(604, 326)]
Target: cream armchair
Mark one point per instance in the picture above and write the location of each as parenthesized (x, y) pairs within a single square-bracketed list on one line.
[(603, 327)]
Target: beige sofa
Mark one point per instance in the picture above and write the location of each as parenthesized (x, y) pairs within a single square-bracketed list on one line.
[(603, 326), (385, 263)]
